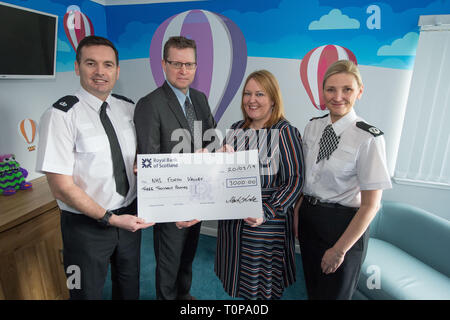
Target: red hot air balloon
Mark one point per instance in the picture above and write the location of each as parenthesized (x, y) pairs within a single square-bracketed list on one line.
[(28, 128), (314, 65), (77, 26)]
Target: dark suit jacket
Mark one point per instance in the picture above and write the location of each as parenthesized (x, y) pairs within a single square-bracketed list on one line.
[(156, 117), (159, 114)]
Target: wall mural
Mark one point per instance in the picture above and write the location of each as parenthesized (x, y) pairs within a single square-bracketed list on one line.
[(77, 26), (313, 67), (27, 129), (316, 32), (380, 33)]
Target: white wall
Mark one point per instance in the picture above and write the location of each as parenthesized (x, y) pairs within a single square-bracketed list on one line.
[(383, 103), (20, 99)]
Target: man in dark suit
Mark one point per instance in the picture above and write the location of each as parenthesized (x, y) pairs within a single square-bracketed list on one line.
[(173, 119)]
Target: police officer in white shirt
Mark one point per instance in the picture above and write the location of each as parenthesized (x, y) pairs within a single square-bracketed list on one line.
[(345, 174), (87, 150)]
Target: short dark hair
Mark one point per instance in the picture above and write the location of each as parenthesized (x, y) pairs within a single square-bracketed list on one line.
[(179, 42), (95, 41)]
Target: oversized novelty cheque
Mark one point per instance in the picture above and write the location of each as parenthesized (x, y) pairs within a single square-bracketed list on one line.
[(203, 186)]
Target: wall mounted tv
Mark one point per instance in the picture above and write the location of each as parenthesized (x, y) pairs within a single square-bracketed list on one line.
[(28, 40)]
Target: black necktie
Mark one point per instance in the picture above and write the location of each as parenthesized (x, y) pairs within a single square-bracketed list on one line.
[(190, 117), (120, 173), (328, 143)]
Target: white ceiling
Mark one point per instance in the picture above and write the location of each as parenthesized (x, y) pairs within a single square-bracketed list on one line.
[(130, 2)]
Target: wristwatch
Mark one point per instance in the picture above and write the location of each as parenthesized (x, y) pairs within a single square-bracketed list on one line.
[(105, 219)]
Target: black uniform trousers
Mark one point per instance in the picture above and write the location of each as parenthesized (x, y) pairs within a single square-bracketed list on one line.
[(90, 248), (174, 252), (319, 229)]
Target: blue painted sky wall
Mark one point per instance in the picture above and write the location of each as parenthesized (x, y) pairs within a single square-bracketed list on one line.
[(380, 33)]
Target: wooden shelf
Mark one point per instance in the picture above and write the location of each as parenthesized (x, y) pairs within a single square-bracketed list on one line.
[(31, 245), (26, 204)]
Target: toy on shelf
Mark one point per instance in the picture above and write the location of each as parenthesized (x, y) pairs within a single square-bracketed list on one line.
[(12, 176)]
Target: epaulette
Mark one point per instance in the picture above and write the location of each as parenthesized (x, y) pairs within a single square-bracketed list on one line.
[(315, 118), (122, 98), (65, 103), (369, 128)]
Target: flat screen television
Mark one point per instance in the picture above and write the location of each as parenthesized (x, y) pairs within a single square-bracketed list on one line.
[(28, 40)]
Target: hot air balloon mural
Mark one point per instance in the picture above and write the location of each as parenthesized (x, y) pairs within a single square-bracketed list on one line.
[(314, 65), (221, 54), (77, 26), (27, 130)]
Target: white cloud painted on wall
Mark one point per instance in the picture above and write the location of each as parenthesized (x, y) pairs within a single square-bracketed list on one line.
[(405, 46), (334, 20)]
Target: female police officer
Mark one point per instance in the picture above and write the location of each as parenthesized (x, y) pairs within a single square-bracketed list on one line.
[(345, 175)]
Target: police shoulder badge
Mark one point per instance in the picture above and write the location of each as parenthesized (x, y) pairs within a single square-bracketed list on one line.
[(65, 103), (369, 128)]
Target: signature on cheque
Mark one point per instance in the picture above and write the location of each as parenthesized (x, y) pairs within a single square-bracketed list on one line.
[(242, 199)]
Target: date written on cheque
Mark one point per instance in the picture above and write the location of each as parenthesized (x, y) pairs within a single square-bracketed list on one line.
[(241, 182)]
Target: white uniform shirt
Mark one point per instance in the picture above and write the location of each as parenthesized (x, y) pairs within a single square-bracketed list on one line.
[(358, 163), (74, 143)]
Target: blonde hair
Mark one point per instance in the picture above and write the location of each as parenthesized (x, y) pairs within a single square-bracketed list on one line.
[(269, 84), (343, 66)]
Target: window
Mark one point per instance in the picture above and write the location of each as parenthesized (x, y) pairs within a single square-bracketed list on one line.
[(424, 152)]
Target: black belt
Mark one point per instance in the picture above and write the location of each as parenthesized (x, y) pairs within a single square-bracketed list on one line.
[(316, 202), (130, 209)]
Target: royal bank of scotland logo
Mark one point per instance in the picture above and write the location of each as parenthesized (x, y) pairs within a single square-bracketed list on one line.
[(146, 163)]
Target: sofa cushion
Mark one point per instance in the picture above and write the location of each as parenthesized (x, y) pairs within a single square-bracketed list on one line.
[(401, 275), (419, 233)]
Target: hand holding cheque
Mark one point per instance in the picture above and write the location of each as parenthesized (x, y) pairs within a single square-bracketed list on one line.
[(199, 186)]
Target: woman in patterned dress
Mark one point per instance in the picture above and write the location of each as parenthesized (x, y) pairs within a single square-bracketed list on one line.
[(255, 258)]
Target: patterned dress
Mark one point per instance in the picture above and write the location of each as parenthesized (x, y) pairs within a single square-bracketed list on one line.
[(259, 262)]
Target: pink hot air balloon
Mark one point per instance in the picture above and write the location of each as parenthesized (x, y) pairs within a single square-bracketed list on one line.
[(221, 54), (314, 65), (77, 26)]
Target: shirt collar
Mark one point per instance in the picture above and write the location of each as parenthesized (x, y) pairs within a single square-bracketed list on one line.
[(180, 95), (343, 123), (91, 100)]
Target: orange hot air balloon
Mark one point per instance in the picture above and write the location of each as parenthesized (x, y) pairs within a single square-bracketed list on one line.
[(28, 128)]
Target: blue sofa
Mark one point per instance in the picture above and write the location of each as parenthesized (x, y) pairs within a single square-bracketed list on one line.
[(408, 256)]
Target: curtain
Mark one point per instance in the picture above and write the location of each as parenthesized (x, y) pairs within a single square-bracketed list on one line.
[(424, 151)]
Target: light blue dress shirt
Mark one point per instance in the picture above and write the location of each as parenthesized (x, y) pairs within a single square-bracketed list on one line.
[(180, 96)]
